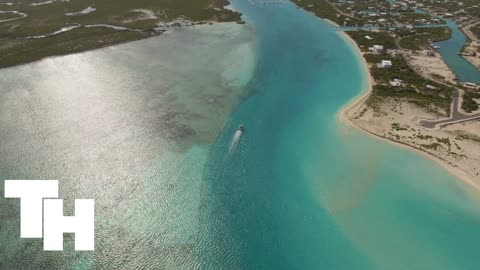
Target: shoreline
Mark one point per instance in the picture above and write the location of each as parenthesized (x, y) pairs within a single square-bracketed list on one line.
[(79, 52), (105, 46), (367, 88)]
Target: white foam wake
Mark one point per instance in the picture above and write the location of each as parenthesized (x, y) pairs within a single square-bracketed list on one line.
[(234, 142)]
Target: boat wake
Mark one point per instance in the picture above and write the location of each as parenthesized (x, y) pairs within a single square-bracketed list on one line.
[(236, 138)]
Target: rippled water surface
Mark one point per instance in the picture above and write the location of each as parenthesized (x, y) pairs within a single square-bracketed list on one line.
[(128, 126), (146, 130)]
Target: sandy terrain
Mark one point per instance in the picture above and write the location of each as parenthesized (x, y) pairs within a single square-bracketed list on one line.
[(456, 147), (428, 65), (475, 60), (473, 46)]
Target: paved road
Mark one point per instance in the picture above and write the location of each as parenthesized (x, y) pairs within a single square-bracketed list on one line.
[(455, 117)]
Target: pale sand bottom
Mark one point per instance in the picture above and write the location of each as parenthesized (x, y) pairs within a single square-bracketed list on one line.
[(461, 158)]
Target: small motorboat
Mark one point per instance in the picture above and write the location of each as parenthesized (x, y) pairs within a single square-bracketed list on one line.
[(241, 128)]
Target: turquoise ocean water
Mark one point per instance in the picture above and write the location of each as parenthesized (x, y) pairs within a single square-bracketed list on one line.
[(305, 192), (146, 131)]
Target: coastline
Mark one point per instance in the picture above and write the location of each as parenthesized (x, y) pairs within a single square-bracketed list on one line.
[(105, 46), (357, 101)]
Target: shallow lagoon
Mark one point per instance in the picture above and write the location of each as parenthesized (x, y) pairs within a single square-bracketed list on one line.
[(144, 128), (130, 127)]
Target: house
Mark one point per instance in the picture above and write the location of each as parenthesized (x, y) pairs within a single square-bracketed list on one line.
[(396, 83), (431, 87), (429, 52), (377, 48), (385, 64), (368, 37)]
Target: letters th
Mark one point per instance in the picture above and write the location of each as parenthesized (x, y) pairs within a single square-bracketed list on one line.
[(41, 214)]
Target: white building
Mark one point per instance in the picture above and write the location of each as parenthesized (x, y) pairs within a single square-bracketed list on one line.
[(470, 85), (385, 64), (396, 83), (429, 52), (377, 48)]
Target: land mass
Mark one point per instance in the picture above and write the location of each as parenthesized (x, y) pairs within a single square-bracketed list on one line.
[(32, 30), (413, 98)]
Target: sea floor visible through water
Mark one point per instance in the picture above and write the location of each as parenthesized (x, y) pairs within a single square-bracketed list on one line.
[(129, 126), (145, 129)]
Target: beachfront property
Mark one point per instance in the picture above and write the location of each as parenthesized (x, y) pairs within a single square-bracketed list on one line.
[(471, 85), (385, 64), (429, 53), (376, 48)]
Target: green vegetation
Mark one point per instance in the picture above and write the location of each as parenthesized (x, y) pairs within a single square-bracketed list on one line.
[(326, 10), (476, 31), (468, 136), (469, 104), (9, 16), (141, 15), (413, 89), (424, 137), (359, 5), (384, 14), (420, 38), (77, 40), (398, 127), (431, 146), (445, 141), (414, 18), (378, 38), (467, 8)]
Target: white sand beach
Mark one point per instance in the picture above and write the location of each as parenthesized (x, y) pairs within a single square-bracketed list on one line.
[(460, 155)]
